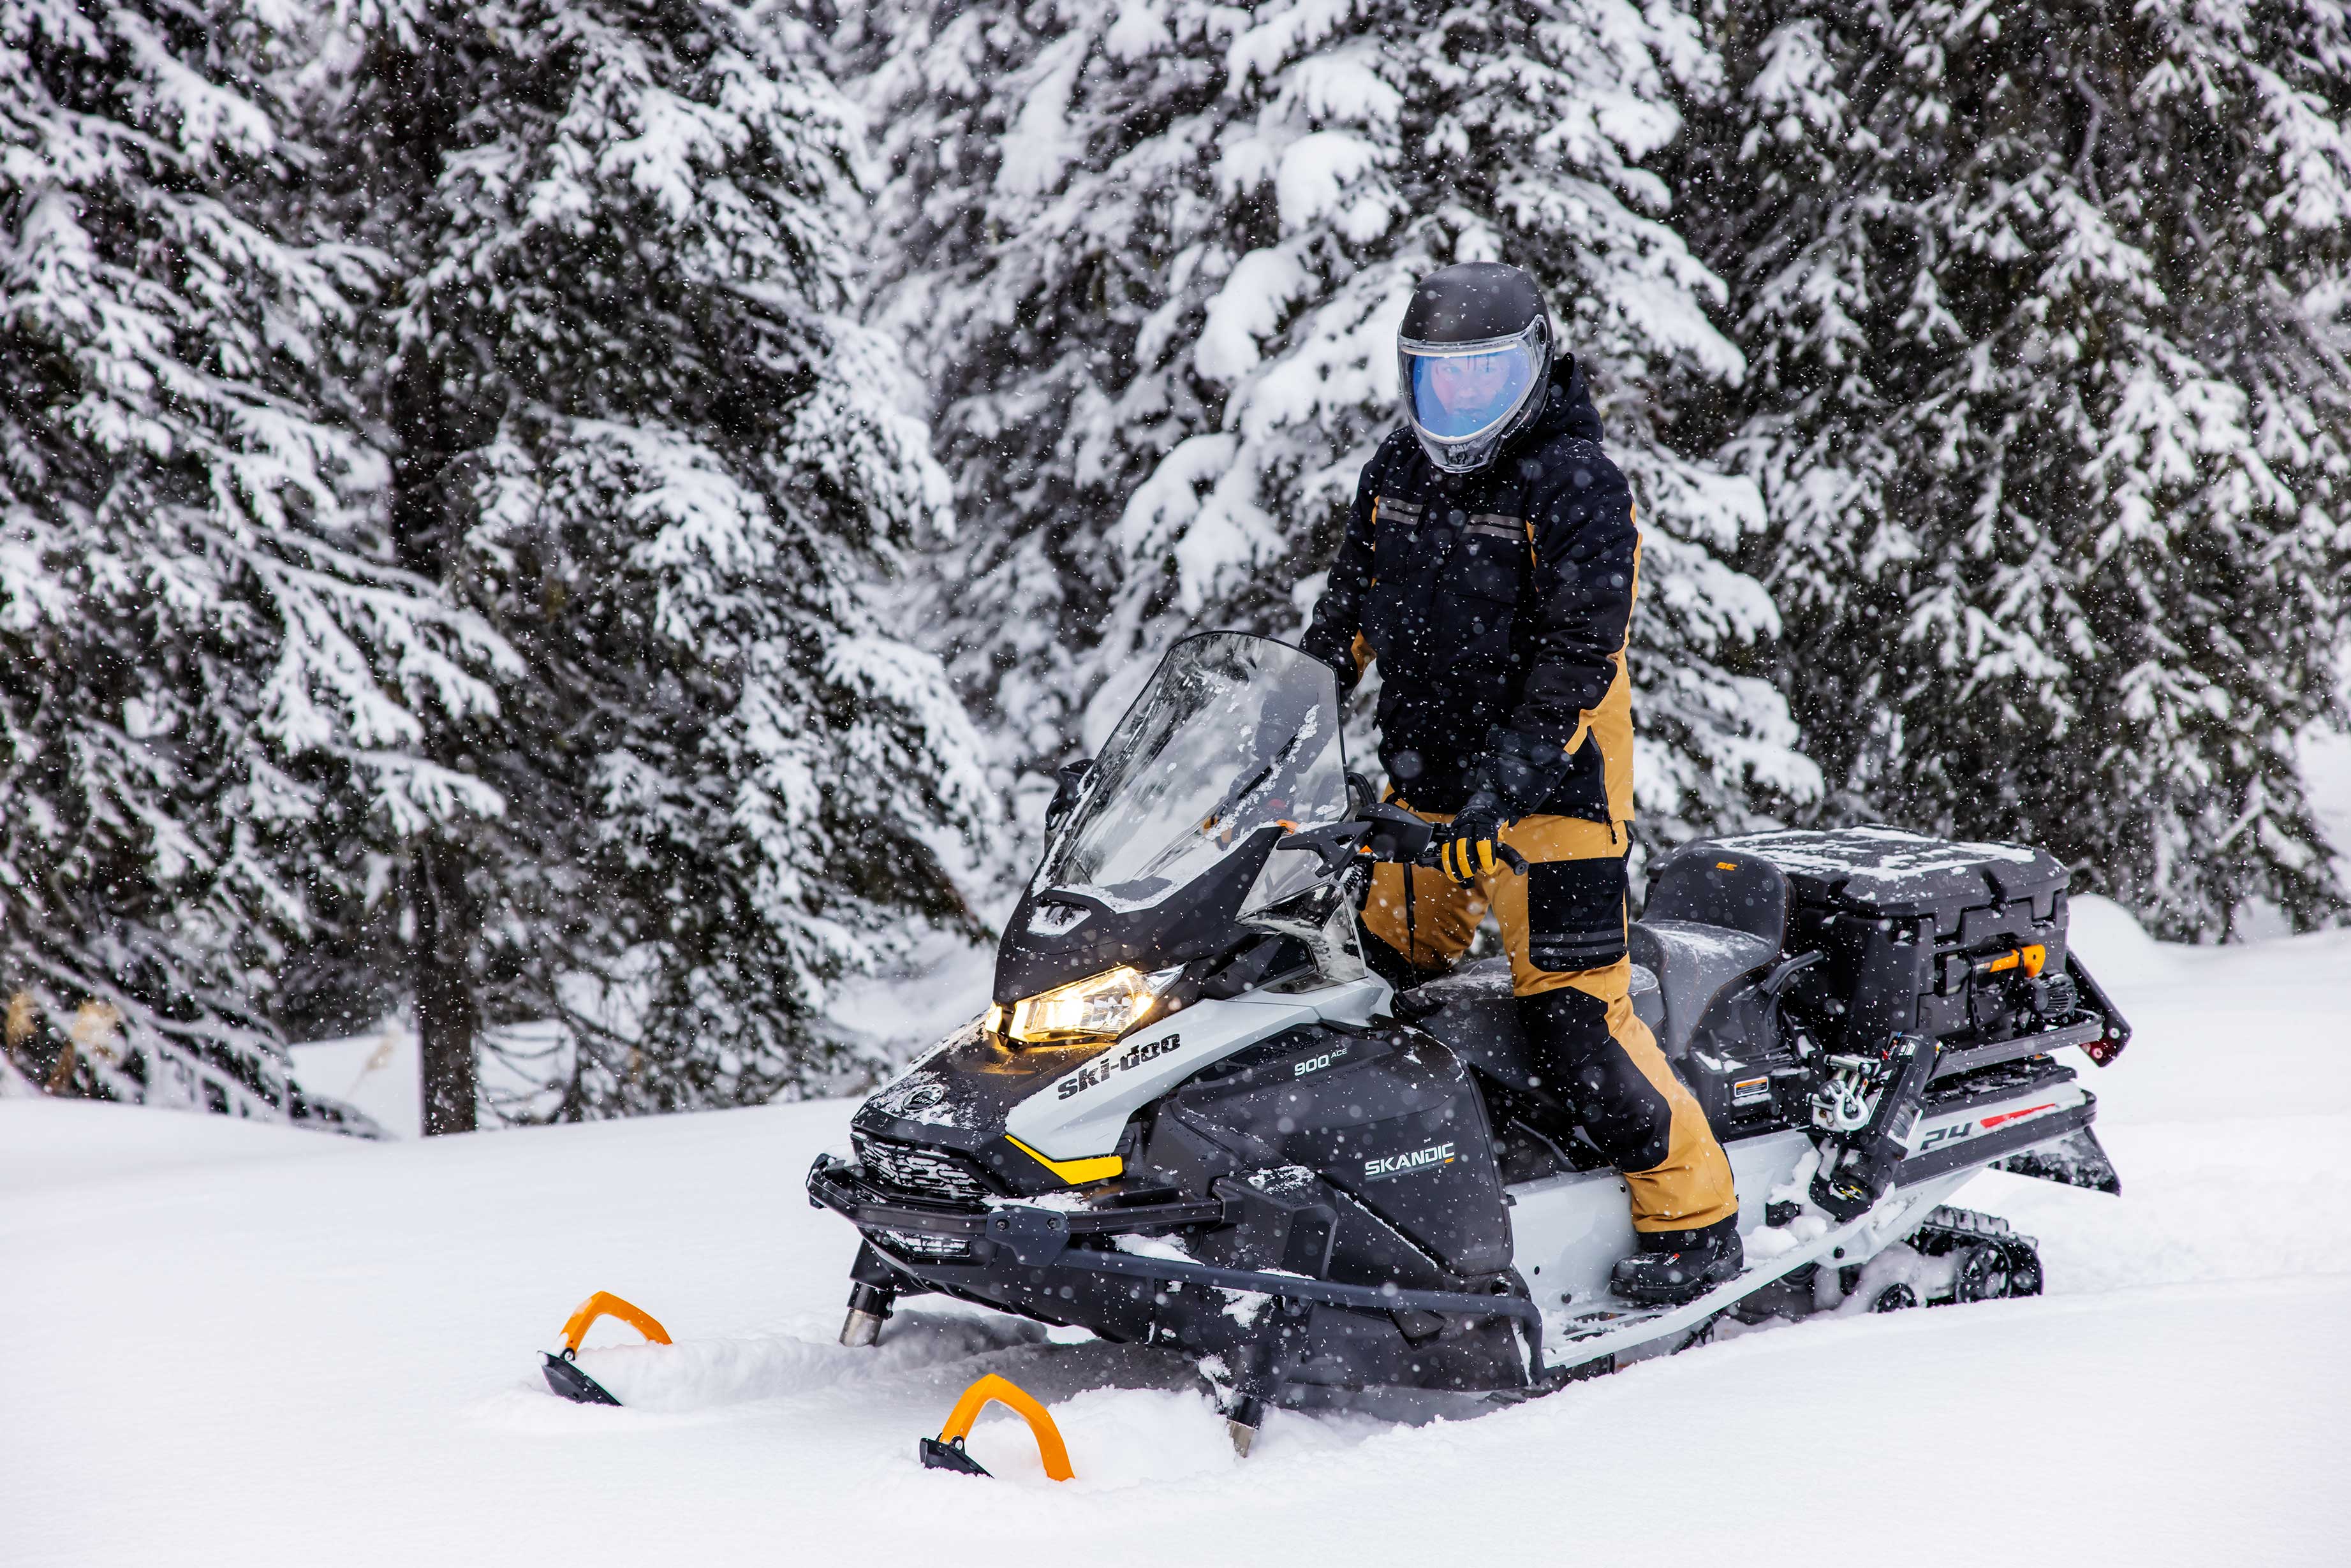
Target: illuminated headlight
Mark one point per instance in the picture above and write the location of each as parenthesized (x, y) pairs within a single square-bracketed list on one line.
[(1097, 1010)]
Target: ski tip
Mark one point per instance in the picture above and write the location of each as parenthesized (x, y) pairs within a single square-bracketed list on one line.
[(565, 1379), (949, 1456)]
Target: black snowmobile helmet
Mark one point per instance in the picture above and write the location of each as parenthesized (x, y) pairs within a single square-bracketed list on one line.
[(1473, 361)]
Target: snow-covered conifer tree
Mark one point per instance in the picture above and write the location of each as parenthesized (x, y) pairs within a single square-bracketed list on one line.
[(2043, 306), (1154, 254), (209, 662), (645, 434)]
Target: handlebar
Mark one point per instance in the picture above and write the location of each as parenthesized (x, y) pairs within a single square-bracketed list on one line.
[(1383, 834)]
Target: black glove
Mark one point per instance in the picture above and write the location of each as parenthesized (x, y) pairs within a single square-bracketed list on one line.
[(1465, 846), (1515, 776)]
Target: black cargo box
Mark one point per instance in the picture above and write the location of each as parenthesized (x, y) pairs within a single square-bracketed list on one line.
[(1922, 935), (1973, 891)]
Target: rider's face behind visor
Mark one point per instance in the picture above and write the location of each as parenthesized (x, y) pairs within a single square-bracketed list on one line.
[(1466, 393)]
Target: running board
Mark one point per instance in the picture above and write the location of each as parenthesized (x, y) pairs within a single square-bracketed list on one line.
[(1615, 1331), (1633, 1329)]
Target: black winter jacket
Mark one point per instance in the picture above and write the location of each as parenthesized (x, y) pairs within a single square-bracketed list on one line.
[(1503, 597)]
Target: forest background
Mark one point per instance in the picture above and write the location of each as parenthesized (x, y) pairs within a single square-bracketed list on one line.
[(608, 514)]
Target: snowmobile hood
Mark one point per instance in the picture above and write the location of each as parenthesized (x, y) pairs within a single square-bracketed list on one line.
[(959, 1095)]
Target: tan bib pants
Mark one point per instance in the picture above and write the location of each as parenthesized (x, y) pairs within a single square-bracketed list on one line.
[(1580, 1019)]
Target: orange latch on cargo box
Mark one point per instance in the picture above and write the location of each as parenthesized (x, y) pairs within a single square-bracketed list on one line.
[(2029, 958)]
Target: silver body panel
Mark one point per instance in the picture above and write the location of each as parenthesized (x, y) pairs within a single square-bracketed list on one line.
[(1082, 1122)]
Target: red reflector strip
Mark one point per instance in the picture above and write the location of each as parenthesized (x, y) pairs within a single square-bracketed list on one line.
[(2007, 1116)]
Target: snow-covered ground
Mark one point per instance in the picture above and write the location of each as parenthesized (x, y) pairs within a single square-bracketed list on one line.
[(233, 1343)]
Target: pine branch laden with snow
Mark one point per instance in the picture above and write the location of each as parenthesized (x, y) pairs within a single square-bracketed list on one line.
[(694, 492), (2044, 307), (207, 655), (1152, 255)]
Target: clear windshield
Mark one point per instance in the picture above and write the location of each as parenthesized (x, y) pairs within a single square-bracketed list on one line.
[(1234, 732)]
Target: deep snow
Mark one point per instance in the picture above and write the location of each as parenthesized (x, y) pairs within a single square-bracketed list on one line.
[(242, 1344)]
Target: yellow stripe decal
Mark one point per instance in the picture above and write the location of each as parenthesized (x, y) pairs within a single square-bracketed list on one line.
[(1077, 1173)]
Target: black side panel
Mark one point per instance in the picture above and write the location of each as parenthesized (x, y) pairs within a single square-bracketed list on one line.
[(1293, 1219), (1743, 1068), (1889, 965), (1390, 1119), (1476, 1018)]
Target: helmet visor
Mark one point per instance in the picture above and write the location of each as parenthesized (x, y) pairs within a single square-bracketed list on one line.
[(1459, 390)]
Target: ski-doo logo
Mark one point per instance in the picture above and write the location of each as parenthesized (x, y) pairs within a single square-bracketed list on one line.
[(1429, 1158), (1132, 1057)]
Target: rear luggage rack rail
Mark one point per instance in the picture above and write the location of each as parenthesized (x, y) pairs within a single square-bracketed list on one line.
[(1957, 1059)]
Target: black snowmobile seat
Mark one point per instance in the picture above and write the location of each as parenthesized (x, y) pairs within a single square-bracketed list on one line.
[(1472, 1010), (1695, 963), (1709, 883), (1714, 916)]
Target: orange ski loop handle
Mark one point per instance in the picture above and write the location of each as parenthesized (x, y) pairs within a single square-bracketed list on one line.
[(604, 1304), (994, 1390)]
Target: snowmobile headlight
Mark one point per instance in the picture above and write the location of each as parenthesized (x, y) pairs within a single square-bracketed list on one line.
[(1096, 1010)]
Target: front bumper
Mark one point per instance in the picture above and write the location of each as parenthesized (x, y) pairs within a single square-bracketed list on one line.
[(1023, 1232), (1035, 1250)]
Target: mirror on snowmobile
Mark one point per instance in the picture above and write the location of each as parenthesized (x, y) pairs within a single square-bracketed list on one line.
[(1070, 782)]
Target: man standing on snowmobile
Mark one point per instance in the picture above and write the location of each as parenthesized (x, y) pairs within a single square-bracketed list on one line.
[(1490, 565)]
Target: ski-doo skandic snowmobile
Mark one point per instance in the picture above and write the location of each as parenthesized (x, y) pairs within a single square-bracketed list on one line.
[(1193, 1118)]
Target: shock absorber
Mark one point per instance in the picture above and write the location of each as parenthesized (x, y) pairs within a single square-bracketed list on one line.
[(868, 1306), (873, 1289)]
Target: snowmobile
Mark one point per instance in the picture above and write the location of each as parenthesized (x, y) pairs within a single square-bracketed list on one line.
[(1193, 1118)]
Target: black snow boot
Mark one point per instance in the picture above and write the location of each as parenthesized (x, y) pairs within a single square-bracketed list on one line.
[(1677, 1266)]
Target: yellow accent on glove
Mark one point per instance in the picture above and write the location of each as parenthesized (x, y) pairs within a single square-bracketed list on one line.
[(1466, 860)]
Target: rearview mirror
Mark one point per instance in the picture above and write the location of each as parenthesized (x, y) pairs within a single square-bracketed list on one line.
[(1071, 783)]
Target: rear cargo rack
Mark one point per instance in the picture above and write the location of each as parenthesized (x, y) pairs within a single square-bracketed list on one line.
[(1957, 1060)]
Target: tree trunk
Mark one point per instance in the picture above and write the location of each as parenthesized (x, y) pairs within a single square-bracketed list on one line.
[(447, 1015)]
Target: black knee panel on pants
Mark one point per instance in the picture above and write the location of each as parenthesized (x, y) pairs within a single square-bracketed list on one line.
[(1581, 1061), (1575, 913)]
